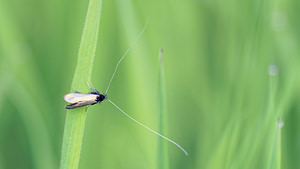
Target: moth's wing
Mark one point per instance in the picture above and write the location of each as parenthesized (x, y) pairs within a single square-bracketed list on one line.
[(80, 104), (80, 97)]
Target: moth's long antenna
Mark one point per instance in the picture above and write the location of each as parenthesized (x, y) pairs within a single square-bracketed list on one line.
[(185, 152), (140, 34)]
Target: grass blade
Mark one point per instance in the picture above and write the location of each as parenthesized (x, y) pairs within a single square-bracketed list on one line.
[(275, 157), (162, 155), (275, 150), (75, 119)]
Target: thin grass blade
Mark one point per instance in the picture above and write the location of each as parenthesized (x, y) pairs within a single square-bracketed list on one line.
[(75, 119), (162, 151)]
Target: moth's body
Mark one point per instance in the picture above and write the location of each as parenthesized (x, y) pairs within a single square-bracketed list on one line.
[(78, 99)]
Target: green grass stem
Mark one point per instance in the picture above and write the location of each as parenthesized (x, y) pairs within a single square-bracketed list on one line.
[(162, 153), (275, 157), (275, 150), (75, 118)]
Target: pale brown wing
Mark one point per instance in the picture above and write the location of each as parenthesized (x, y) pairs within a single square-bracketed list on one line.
[(80, 104), (80, 97)]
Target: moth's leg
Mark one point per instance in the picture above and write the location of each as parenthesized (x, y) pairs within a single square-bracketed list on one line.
[(87, 107), (94, 88), (91, 87)]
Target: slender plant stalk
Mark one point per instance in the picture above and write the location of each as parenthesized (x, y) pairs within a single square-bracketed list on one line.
[(162, 156), (75, 119), (275, 157), (275, 151)]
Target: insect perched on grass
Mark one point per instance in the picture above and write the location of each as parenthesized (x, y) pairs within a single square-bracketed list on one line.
[(78, 99)]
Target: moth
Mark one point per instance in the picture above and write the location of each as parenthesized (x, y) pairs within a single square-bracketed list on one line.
[(77, 99)]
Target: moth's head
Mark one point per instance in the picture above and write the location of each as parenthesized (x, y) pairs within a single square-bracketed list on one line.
[(101, 97)]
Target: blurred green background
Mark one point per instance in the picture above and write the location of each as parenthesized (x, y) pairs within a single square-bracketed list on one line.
[(223, 98)]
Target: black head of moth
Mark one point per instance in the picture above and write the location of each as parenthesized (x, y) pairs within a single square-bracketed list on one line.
[(101, 97)]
